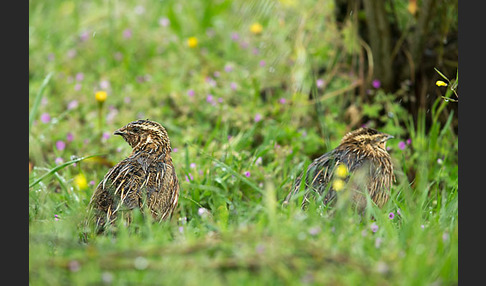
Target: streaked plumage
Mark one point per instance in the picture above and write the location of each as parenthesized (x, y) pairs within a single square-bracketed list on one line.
[(146, 178), (363, 152)]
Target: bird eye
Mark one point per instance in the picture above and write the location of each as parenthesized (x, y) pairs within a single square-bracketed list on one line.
[(135, 129)]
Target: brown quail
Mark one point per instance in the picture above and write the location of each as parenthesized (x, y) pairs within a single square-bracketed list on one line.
[(146, 179), (361, 155)]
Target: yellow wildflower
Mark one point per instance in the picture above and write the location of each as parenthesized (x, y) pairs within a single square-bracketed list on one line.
[(337, 184), (101, 96), (440, 83), (80, 181), (192, 42), (341, 171), (256, 28)]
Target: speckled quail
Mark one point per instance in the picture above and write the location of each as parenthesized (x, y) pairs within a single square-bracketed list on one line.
[(361, 156), (146, 179)]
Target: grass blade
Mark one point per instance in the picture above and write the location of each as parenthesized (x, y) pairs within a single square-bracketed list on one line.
[(57, 168), (441, 74), (238, 175), (37, 100)]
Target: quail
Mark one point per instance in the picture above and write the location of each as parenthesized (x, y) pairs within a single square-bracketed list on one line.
[(360, 163), (146, 179)]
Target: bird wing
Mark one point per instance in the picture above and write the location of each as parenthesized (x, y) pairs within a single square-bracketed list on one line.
[(119, 189), (137, 181), (316, 177), (162, 189)]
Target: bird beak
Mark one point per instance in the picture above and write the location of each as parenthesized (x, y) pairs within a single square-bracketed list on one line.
[(119, 132), (390, 137)]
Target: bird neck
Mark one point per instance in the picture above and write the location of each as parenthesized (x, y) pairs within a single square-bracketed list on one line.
[(154, 146)]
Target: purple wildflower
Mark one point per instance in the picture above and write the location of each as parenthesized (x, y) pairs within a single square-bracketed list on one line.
[(409, 141), (71, 53), (402, 145), (74, 266), (445, 236), (60, 145), (45, 118), (376, 83), (105, 136), (210, 98), (59, 161), (202, 212), (258, 161), (104, 84), (314, 230), (79, 76), (84, 36), (262, 63), (192, 165), (72, 104), (235, 36), (258, 117), (233, 85), (247, 174), (391, 215), (374, 227), (282, 100), (92, 183), (319, 83), (228, 68), (127, 33), (244, 45), (164, 22), (77, 87)]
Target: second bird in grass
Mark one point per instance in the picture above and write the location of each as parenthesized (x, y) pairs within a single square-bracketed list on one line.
[(146, 178), (359, 164)]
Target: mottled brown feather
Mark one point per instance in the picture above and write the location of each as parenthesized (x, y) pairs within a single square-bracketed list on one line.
[(146, 178)]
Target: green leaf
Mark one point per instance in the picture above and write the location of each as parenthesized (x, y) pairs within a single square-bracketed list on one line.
[(57, 168)]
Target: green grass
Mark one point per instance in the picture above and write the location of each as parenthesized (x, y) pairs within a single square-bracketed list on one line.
[(245, 237)]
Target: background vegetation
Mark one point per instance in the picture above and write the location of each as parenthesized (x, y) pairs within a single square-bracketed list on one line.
[(250, 93)]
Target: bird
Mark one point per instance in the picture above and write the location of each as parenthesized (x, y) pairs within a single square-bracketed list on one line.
[(359, 163), (145, 179)]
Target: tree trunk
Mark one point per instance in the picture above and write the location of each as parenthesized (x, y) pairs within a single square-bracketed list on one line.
[(380, 41)]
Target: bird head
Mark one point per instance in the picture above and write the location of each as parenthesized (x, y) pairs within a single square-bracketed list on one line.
[(367, 138), (142, 133)]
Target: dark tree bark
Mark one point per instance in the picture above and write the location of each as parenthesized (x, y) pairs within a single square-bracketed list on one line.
[(380, 41)]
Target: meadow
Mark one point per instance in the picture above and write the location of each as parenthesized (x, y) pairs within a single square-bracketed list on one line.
[(250, 93)]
